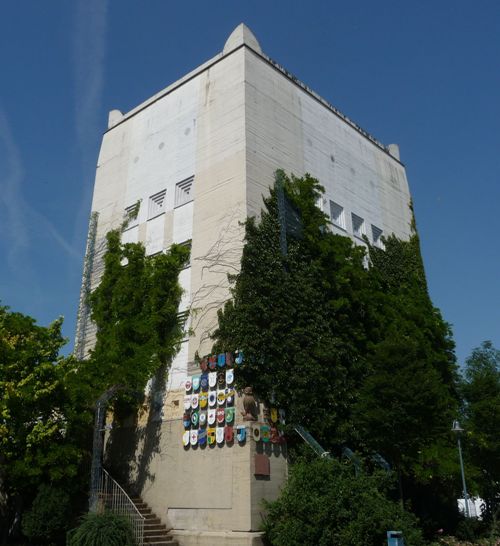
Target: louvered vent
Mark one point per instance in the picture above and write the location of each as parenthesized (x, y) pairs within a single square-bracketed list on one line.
[(184, 191), (156, 204)]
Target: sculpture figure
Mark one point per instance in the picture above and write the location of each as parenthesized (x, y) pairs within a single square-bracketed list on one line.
[(249, 405)]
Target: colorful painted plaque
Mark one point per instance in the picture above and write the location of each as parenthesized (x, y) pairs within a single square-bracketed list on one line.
[(185, 438), (211, 416), (220, 415), (211, 436), (229, 415), (212, 379), (275, 436), (220, 435), (221, 360), (230, 376), (256, 433), (194, 418), (228, 434), (204, 364), (238, 358), (265, 433), (212, 398), (194, 401), (221, 397), (230, 396), (203, 398), (241, 433), (212, 362)]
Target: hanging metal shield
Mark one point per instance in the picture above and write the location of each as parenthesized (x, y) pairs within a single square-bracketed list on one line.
[(212, 398), (220, 435), (256, 432), (221, 360), (229, 415), (228, 434), (202, 437), (202, 419)]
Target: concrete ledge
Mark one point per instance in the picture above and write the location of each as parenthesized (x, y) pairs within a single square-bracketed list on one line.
[(217, 538)]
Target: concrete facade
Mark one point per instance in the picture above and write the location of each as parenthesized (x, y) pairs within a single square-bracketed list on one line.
[(198, 156)]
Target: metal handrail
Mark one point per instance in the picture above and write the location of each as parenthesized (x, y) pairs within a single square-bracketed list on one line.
[(112, 497)]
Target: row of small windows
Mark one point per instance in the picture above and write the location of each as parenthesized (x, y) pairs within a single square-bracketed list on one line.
[(337, 214), (156, 202)]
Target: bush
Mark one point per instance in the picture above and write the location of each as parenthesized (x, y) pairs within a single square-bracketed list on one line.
[(48, 519), (325, 504), (105, 529)]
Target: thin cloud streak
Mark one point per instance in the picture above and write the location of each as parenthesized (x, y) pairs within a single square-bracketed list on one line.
[(14, 232), (19, 215), (89, 62)]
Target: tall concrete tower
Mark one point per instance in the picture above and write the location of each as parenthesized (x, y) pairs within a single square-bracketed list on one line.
[(199, 155)]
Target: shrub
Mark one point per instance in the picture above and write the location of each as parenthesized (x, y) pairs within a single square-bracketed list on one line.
[(48, 519), (106, 529), (324, 503)]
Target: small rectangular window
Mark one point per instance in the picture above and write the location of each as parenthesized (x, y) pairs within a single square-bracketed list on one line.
[(358, 225), (156, 204), (377, 236), (337, 215), (184, 191)]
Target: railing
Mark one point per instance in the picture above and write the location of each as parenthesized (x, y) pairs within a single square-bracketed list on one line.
[(113, 497)]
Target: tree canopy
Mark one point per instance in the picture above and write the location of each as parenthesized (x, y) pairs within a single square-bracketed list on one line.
[(355, 353), (481, 392)]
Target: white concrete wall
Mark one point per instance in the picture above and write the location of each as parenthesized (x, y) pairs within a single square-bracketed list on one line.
[(289, 128)]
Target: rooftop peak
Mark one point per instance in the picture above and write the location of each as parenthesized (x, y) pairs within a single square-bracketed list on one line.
[(241, 35)]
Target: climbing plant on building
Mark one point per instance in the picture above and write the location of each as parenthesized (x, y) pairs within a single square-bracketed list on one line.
[(135, 310)]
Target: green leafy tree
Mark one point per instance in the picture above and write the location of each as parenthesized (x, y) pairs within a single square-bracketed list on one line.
[(300, 318), (324, 503), (357, 355), (409, 395), (481, 390), (42, 433), (49, 517)]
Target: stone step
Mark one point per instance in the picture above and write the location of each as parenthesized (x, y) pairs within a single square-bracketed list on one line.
[(157, 538), (154, 526), (170, 542)]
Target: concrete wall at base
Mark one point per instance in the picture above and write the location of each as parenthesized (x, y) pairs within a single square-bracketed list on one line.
[(211, 488)]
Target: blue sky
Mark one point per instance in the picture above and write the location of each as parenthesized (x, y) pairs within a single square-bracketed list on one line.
[(423, 74)]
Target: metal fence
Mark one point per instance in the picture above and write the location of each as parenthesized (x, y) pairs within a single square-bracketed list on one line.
[(112, 497)]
